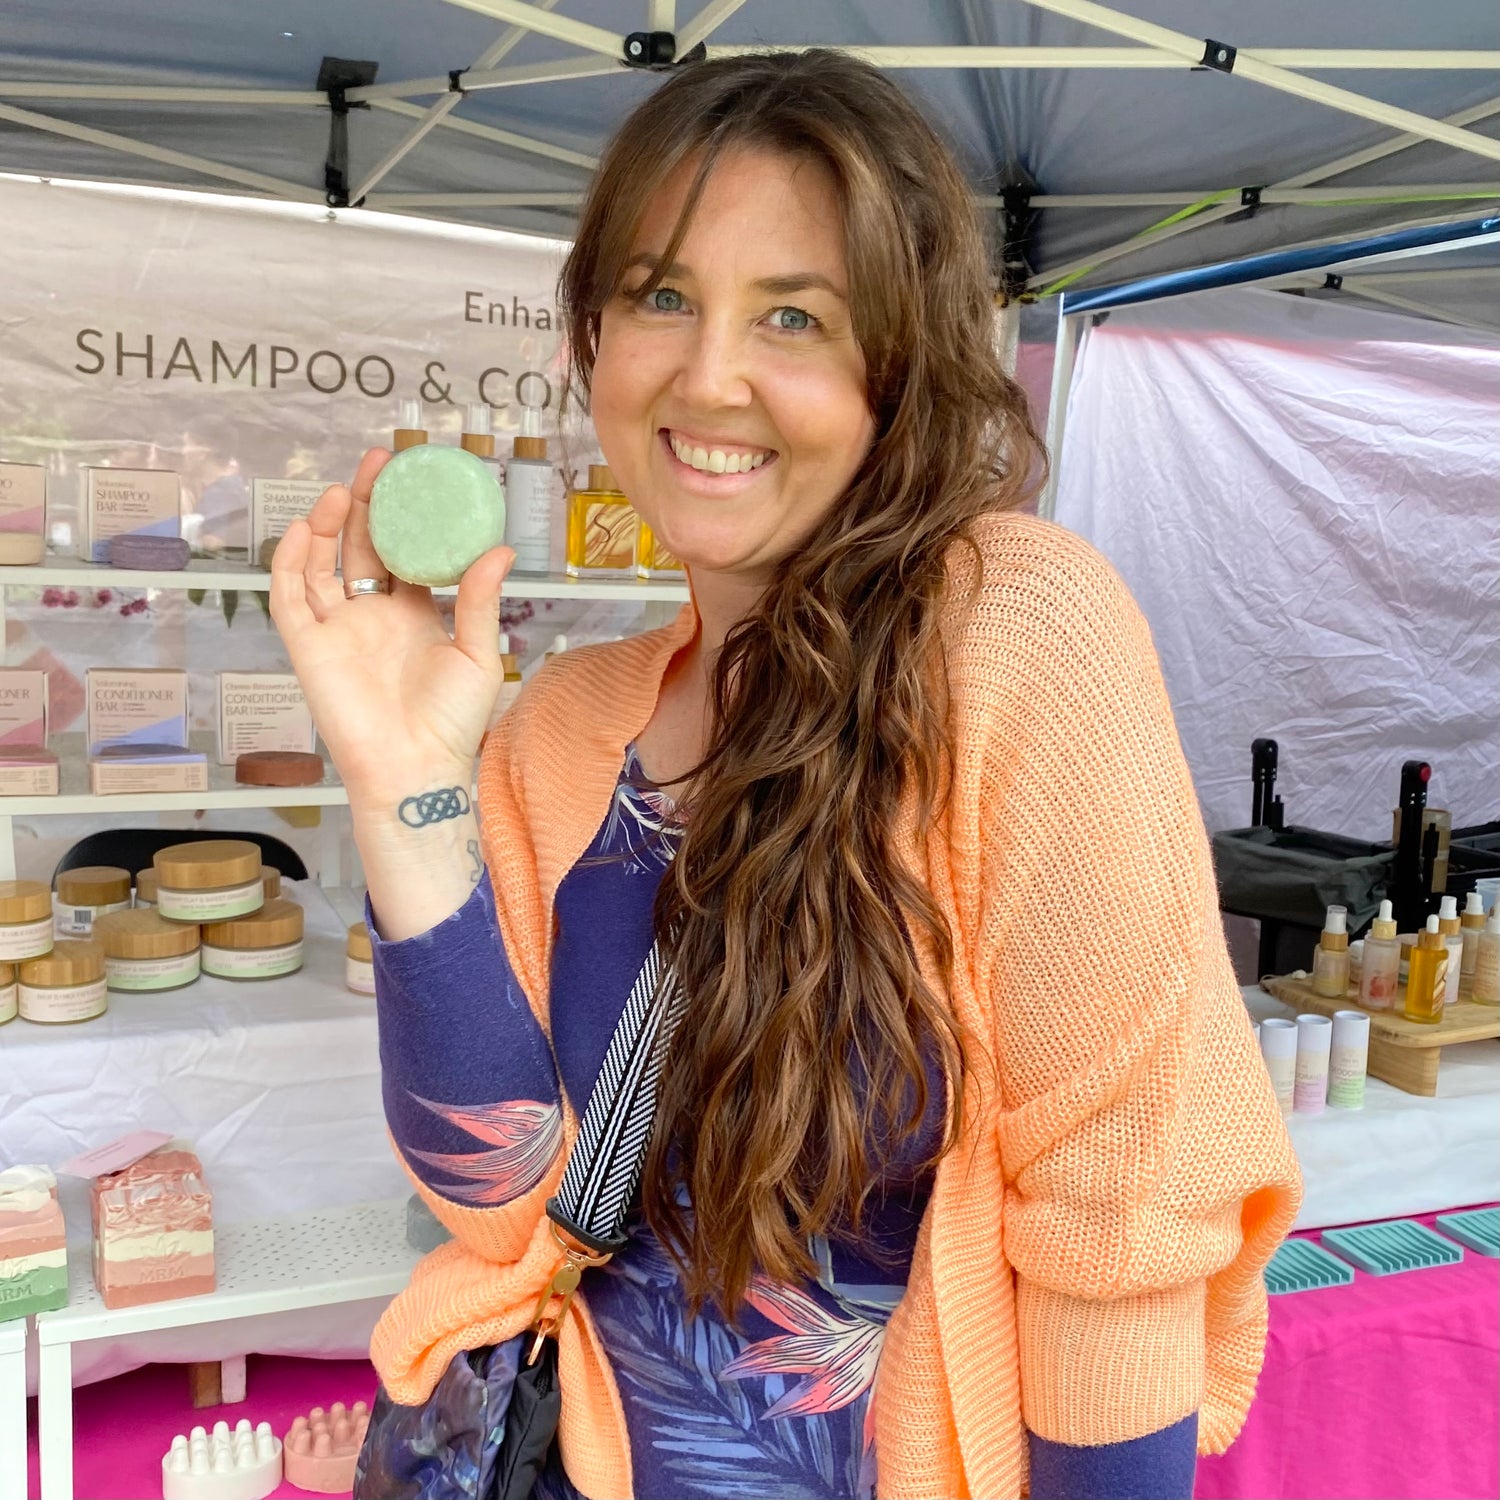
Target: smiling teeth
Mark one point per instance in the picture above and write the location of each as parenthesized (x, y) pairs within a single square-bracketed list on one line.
[(716, 460)]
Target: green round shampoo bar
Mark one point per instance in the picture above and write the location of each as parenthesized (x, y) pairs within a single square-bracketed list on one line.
[(433, 512)]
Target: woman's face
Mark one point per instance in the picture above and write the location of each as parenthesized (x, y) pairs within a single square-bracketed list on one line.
[(730, 402)]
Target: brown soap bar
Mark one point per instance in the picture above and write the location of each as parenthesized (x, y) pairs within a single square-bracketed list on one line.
[(279, 768)]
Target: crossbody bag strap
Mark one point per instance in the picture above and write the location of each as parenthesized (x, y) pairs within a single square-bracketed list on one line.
[(598, 1186)]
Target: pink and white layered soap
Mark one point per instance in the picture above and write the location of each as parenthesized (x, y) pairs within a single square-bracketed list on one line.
[(33, 1244), (153, 1229)]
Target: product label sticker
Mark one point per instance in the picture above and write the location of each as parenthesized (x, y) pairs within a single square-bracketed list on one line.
[(117, 1155)]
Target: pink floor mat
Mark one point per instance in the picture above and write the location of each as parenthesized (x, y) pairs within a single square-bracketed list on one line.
[(121, 1427)]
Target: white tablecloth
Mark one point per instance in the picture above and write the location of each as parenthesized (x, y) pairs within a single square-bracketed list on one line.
[(276, 1084), (1401, 1154)]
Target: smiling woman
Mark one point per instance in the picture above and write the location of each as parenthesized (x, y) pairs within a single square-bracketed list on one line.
[(962, 1168)]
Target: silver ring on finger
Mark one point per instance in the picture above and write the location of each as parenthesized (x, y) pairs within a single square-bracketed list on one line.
[(354, 588)]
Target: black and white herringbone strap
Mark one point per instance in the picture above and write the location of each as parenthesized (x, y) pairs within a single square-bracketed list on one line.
[(599, 1182)]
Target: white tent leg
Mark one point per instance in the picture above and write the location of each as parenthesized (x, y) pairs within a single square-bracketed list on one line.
[(293, 190), (1247, 65), (1335, 168), (1064, 353)]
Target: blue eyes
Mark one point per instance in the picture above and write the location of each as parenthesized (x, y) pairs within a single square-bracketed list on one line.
[(667, 299)]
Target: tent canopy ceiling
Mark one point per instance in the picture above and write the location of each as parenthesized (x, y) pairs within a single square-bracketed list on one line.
[(1149, 123)]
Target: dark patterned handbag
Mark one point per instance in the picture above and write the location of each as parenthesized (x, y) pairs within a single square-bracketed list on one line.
[(486, 1431)]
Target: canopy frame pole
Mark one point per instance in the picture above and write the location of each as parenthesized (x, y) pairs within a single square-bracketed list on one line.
[(705, 23), (1064, 354), (565, 69), (1415, 192), (520, 199), (1337, 168), (133, 93), (435, 113), (297, 192), (661, 15), (491, 133), (1354, 287), (1226, 58), (578, 34)]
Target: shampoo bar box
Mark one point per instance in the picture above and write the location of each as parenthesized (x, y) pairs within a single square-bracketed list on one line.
[(153, 1229), (274, 505), (23, 514), (33, 1253), (262, 711), (128, 502)]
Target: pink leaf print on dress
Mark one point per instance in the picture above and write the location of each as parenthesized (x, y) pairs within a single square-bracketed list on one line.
[(526, 1136), (839, 1354)]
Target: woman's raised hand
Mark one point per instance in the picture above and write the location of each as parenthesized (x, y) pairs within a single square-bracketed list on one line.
[(401, 706)]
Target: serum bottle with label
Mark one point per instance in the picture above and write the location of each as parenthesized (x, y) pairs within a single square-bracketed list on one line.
[(1330, 975), (528, 497), (478, 438), (601, 529), (1427, 977), (1472, 924), (1381, 964)]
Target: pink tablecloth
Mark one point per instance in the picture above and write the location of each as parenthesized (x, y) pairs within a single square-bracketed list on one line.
[(1387, 1389)]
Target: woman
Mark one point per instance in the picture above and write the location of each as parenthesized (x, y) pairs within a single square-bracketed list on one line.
[(964, 1168)]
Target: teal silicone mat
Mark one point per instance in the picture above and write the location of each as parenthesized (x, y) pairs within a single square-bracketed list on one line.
[(1398, 1245), (1299, 1266), (1478, 1228)]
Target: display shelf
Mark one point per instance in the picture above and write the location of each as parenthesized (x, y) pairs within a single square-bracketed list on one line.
[(263, 1266), (223, 791), (220, 573), (13, 1409)]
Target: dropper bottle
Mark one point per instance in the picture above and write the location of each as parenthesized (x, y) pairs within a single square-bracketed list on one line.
[(510, 688), (1472, 923), (477, 437), (1380, 971), (1427, 976), (1453, 940), (529, 484), (411, 425), (1486, 989), (1330, 976)]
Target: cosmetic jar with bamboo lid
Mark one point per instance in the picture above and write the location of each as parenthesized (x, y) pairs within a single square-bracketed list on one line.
[(145, 888), (144, 951), (7, 993), (270, 879), (263, 945), (64, 985), (210, 881), (359, 961), (25, 919), (86, 893)]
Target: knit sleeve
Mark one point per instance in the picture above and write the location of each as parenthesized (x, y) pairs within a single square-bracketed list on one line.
[(1148, 1176)]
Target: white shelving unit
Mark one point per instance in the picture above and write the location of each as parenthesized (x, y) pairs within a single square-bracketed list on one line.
[(13, 1409), (262, 1266), (75, 797)]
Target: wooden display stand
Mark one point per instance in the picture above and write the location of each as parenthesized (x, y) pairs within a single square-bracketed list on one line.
[(1405, 1054)]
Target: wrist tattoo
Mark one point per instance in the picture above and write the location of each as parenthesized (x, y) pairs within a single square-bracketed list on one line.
[(474, 854), (434, 807)]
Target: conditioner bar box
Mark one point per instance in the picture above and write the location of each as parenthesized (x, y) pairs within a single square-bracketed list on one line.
[(130, 708), (128, 502), (23, 708), (147, 768), (28, 772), (262, 711)]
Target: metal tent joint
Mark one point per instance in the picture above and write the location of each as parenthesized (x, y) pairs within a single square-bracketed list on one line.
[(650, 49), (1219, 56), (1249, 205), (1333, 282), (1018, 221), (336, 76), (454, 77)]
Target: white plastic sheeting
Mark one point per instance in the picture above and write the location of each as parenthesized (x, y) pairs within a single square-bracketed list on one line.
[(1302, 497)]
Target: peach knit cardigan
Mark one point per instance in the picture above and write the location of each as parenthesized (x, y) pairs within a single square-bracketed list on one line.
[(1089, 1265)]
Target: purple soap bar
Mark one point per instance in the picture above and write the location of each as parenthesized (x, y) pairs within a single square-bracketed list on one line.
[(149, 553)]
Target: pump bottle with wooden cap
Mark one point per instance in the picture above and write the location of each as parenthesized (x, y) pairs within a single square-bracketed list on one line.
[(1330, 976)]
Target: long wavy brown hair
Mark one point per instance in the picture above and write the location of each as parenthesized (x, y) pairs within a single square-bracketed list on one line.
[(802, 1064)]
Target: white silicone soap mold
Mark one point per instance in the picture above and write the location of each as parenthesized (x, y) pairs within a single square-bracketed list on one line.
[(241, 1465)]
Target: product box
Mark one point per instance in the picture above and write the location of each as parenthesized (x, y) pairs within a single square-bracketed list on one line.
[(134, 707), (127, 502), (23, 708), (23, 514), (275, 504), (262, 711), (120, 771), (28, 771)]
